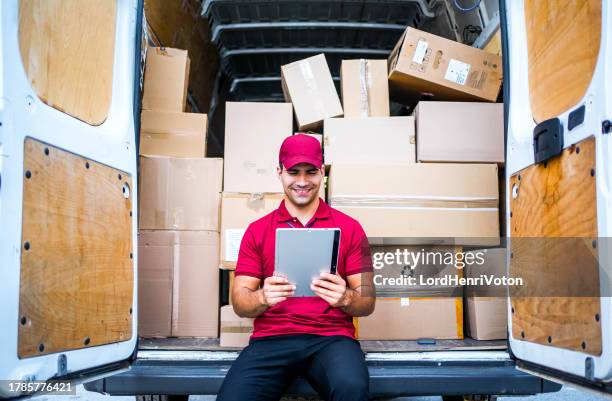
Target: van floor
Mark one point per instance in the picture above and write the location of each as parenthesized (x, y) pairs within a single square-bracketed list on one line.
[(212, 344)]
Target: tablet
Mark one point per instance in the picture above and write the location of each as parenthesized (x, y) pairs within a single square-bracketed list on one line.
[(302, 254)]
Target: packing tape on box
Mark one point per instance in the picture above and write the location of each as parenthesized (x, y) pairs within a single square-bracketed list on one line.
[(235, 329), (365, 87), (312, 87), (448, 202)]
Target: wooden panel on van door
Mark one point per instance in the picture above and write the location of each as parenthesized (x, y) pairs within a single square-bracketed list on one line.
[(67, 49), (77, 272), (563, 38), (553, 245)]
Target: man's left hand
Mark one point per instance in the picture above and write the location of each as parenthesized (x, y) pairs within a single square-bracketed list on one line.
[(332, 289)]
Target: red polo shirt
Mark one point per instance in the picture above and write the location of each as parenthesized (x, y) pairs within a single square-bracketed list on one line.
[(303, 315)]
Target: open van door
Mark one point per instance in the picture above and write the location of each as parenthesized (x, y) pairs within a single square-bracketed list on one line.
[(69, 104), (558, 94)]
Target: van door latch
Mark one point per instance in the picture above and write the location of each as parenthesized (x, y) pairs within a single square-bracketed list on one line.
[(547, 140)]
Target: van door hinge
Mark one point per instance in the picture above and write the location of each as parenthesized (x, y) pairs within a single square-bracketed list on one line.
[(589, 368), (547, 140), (62, 365)]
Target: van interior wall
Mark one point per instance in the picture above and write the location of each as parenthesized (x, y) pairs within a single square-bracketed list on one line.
[(180, 24)]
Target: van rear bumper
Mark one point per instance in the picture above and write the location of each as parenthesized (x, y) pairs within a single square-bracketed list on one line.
[(391, 374)]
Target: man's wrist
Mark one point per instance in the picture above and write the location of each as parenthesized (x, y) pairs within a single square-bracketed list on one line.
[(262, 298), (347, 299)]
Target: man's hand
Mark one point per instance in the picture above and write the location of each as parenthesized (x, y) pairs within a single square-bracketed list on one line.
[(276, 289), (332, 289)]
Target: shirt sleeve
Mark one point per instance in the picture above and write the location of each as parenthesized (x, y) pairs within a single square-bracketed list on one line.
[(359, 257), (250, 262)]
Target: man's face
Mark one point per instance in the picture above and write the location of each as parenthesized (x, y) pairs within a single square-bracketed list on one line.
[(301, 183)]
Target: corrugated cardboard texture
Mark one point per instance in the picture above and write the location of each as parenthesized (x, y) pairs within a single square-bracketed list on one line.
[(308, 84), (178, 283), (365, 140), (155, 259), (165, 80), (413, 318), (237, 212), (487, 318), (168, 133), (365, 88), (420, 200), (423, 63), (460, 132), (235, 331), (180, 193), (196, 284), (254, 133)]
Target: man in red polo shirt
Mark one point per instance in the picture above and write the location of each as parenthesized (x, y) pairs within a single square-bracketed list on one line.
[(312, 337)]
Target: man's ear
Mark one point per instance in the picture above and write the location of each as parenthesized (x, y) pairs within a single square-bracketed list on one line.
[(278, 171)]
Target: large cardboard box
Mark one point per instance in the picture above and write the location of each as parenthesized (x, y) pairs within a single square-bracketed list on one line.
[(426, 64), (308, 84), (365, 88), (412, 319), (235, 330), (423, 203), (254, 133), (470, 132), (166, 79), (180, 193), (178, 292), (365, 140), (237, 212), (168, 133)]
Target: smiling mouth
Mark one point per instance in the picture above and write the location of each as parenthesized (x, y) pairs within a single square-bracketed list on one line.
[(301, 192)]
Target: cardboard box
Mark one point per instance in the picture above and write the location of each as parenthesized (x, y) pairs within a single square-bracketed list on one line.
[(254, 133), (308, 84), (178, 283), (426, 64), (395, 265), (420, 203), (168, 133), (460, 132), (487, 318), (366, 140), (489, 262), (165, 80), (180, 194), (237, 212), (365, 88), (235, 331), (413, 318)]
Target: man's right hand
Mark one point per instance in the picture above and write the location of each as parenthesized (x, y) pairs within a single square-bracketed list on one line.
[(276, 289)]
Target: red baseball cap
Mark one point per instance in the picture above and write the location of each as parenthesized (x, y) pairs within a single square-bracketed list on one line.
[(300, 148)]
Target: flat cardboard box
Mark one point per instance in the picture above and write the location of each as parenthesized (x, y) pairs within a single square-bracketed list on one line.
[(424, 203), (394, 265), (487, 318), (366, 140), (165, 80), (471, 132), (308, 84), (412, 319), (426, 64), (175, 134), (235, 330), (180, 193), (365, 88), (178, 283), (254, 133), (237, 212)]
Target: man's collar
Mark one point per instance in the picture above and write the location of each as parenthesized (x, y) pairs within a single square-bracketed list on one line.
[(283, 214)]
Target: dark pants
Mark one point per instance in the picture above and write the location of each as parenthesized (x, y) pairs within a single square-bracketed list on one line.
[(333, 365)]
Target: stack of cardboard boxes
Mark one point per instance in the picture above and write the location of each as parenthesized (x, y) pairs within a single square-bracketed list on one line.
[(180, 196), (421, 183)]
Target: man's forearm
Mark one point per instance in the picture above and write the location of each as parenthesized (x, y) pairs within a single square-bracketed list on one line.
[(248, 302), (360, 302)]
